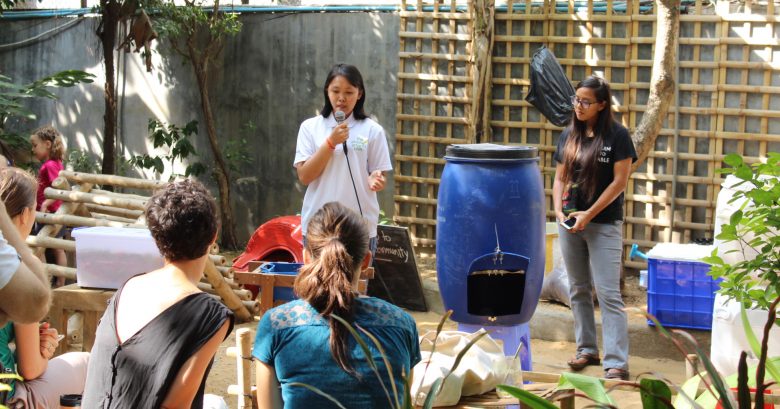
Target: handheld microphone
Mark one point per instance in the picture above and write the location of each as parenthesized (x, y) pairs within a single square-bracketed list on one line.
[(340, 117)]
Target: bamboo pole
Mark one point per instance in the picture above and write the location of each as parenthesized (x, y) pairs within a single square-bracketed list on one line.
[(229, 281), (50, 230), (243, 295), (253, 307), (69, 220), (244, 368), (60, 271), (73, 196), (51, 243), (114, 211), (119, 195), (117, 219), (60, 183), (114, 180), (227, 272), (435, 36), (230, 299), (218, 260)]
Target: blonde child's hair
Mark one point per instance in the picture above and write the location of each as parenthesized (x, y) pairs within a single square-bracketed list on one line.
[(49, 133)]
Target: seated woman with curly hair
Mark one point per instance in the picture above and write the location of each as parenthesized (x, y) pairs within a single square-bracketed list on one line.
[(156, 341)]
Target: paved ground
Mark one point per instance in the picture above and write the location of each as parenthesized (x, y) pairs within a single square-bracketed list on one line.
[(548, 356)]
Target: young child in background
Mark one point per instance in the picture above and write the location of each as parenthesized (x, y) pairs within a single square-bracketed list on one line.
[(47, 147)]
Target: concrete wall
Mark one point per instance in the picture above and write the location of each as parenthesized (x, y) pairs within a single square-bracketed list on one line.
[(271, 74)]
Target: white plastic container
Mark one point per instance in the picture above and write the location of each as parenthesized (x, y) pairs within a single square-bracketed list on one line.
[(731, 339), (726, 319), (106, 257), (643, 278)]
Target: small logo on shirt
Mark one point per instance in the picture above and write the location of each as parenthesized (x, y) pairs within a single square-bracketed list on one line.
[(359, 143), (603, 155)]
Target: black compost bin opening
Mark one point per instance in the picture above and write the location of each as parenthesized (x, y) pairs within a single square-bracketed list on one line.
[(495, 293)]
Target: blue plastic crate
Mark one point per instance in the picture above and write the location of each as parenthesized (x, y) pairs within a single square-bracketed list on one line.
[(681, 293), (283, 294)]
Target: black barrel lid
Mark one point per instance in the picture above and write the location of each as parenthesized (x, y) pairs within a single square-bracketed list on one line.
[(491, 151)]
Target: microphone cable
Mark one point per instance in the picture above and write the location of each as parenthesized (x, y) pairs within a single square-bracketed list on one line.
[(339, 116), (351, 177)]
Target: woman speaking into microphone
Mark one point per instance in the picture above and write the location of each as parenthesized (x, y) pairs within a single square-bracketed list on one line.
[(342, 154)]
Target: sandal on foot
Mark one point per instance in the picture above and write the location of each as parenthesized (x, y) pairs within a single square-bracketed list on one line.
[(616, 374), (582, 360)]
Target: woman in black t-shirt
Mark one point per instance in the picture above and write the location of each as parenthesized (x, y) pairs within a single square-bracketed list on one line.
[(594, 157)]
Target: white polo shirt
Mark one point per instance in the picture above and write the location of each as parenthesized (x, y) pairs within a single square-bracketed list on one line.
[(367, 152), (9, 261)]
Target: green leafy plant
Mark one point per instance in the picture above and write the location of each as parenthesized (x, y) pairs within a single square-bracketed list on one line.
[(384, 220), (14, 97), (5, 387), (82, 161), (238, 153), (656, 393), (753, 280), (176, 140), (6, 4), (755, 226)]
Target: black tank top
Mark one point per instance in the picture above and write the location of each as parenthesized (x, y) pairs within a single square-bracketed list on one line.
[(139, 372)]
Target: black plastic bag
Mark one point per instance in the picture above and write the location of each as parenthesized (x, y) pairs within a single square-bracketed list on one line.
[(550, 91)]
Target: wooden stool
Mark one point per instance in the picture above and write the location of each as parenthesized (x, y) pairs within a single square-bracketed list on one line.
[(66, 301)]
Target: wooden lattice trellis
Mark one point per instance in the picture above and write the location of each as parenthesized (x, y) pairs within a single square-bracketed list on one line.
[(727, 99), (433, 103)]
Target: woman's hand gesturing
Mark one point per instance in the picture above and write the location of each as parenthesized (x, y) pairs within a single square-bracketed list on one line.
[(376, 180)]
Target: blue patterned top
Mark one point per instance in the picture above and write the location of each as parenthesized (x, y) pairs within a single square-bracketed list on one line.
[(294, 339), (7, 358)]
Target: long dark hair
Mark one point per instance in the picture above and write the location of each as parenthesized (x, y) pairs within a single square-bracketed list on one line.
[(337, 241), (352, 75), (575, 151)]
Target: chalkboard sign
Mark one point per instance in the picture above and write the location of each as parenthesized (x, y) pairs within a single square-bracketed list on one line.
[(396, 278)]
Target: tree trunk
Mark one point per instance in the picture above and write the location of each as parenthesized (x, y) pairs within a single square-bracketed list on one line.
[(662, 81), (484, 19), (110, 11), (221, 174)]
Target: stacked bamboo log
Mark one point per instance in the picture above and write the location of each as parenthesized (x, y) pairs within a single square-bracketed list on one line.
[(86, 205)]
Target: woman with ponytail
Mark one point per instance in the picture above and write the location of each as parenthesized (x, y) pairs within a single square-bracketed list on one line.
[(300, 342), (594, 158)]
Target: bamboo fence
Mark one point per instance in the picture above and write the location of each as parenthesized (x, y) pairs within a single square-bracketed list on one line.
[(727, 98), (84, 205)]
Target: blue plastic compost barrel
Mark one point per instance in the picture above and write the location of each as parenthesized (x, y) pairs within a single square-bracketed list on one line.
[(490, 228)]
